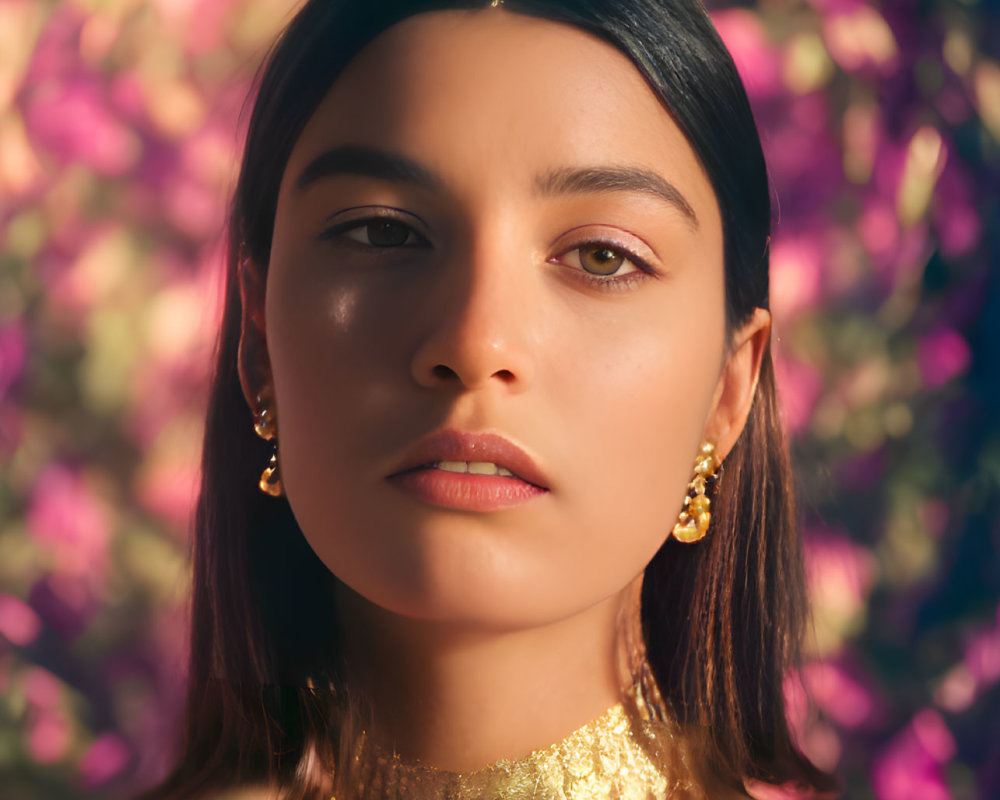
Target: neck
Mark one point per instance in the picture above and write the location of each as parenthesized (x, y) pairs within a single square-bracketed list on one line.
[(459, 698)]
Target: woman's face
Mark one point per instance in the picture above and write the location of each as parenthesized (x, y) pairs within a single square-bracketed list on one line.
[(491, 224)]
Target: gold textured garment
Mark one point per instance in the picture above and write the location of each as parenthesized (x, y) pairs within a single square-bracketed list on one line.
[(624, 754)]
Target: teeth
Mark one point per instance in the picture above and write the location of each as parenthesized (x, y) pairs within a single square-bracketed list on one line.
[(452, 466), (474, 467)]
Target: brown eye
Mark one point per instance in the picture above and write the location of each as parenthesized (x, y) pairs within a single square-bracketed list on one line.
[(601, 260), (387, 233)]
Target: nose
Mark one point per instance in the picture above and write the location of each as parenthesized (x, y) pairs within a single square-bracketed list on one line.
[(478, 327)]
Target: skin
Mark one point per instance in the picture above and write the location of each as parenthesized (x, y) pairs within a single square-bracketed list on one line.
[(456, 622)]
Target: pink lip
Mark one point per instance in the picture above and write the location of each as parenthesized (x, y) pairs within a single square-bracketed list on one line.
[(464, 492), (415, 476)]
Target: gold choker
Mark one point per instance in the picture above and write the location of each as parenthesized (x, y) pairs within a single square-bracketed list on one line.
[(623, 754)]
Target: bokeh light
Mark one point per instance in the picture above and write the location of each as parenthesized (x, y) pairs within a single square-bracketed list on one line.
[(120, 126)]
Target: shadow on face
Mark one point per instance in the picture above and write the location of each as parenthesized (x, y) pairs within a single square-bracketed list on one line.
[(492, 225)]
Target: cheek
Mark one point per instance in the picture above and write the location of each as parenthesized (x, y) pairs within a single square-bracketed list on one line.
[(341, 341), (338, 345), (634, 416)]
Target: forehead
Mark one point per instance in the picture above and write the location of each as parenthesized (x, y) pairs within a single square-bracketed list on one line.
[(499, 96)]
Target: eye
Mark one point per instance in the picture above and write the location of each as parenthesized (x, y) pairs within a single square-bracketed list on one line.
[(603, 260), (382, 232), (600, 259)]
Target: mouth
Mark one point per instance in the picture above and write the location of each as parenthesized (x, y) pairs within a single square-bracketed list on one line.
[(469, 468), (477, 486), (487, 455)]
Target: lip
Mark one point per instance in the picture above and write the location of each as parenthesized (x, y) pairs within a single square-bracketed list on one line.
[(454, 445)]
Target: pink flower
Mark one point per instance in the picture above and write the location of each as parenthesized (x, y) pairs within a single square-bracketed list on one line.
[(48, 736), (814, 737), (837, 565), (756, 59), (800, 386), (839, 576), (910, 766), (955, 218), (942, 355), (10, 429), (878, 227), (18, 621), (42, 689), (794, 150), (67, 602), (125, 93), (104, 759), (858, 37), (66, 517), (13, 350), (73, 122), (170, 490), (796, 276), (193, 208), (977, 672), (201, 23), (839, 696), (982, 656)]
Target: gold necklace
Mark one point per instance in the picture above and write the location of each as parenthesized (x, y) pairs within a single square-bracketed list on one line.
[(625, 754)]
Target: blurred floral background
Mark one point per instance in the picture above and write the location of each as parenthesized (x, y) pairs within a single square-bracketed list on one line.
[(120, 130)]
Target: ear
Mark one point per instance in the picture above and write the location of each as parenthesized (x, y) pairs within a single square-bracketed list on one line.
[(253, 362), (737, 386)]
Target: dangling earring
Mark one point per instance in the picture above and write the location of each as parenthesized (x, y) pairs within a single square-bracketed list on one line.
[(692, 524), (263, 425)]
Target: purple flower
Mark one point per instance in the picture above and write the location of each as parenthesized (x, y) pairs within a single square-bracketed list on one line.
[(910, 766)]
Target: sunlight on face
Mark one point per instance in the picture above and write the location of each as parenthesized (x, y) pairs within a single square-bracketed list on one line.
[(491, 224)]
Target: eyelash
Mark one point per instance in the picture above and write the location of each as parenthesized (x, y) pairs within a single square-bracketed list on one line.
[(350, 225), (610, 283)]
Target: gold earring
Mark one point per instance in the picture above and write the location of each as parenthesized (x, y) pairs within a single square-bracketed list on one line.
[(692, 524), (263, 425)]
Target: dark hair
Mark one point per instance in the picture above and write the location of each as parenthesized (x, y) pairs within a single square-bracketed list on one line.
[(721, 619)]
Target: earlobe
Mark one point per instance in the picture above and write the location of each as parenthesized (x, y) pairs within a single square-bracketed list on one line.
[(253, 362), (737, 384)]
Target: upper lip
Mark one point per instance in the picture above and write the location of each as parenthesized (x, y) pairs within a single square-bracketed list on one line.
[(454, 445)]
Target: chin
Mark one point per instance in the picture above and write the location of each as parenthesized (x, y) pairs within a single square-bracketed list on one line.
[(484, 598)]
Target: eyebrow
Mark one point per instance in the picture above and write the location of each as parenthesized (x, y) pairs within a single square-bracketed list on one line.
[(373, 163), (366, 161), (615, 179)]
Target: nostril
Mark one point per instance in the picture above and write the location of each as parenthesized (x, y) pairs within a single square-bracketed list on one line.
[(446, 373)]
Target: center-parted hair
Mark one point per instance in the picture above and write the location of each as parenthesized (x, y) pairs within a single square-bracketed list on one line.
[(721, 619)]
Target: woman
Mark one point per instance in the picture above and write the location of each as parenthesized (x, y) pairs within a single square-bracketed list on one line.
[(498, 276)]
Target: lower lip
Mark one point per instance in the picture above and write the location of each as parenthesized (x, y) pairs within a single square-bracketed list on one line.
[(465, 491)]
